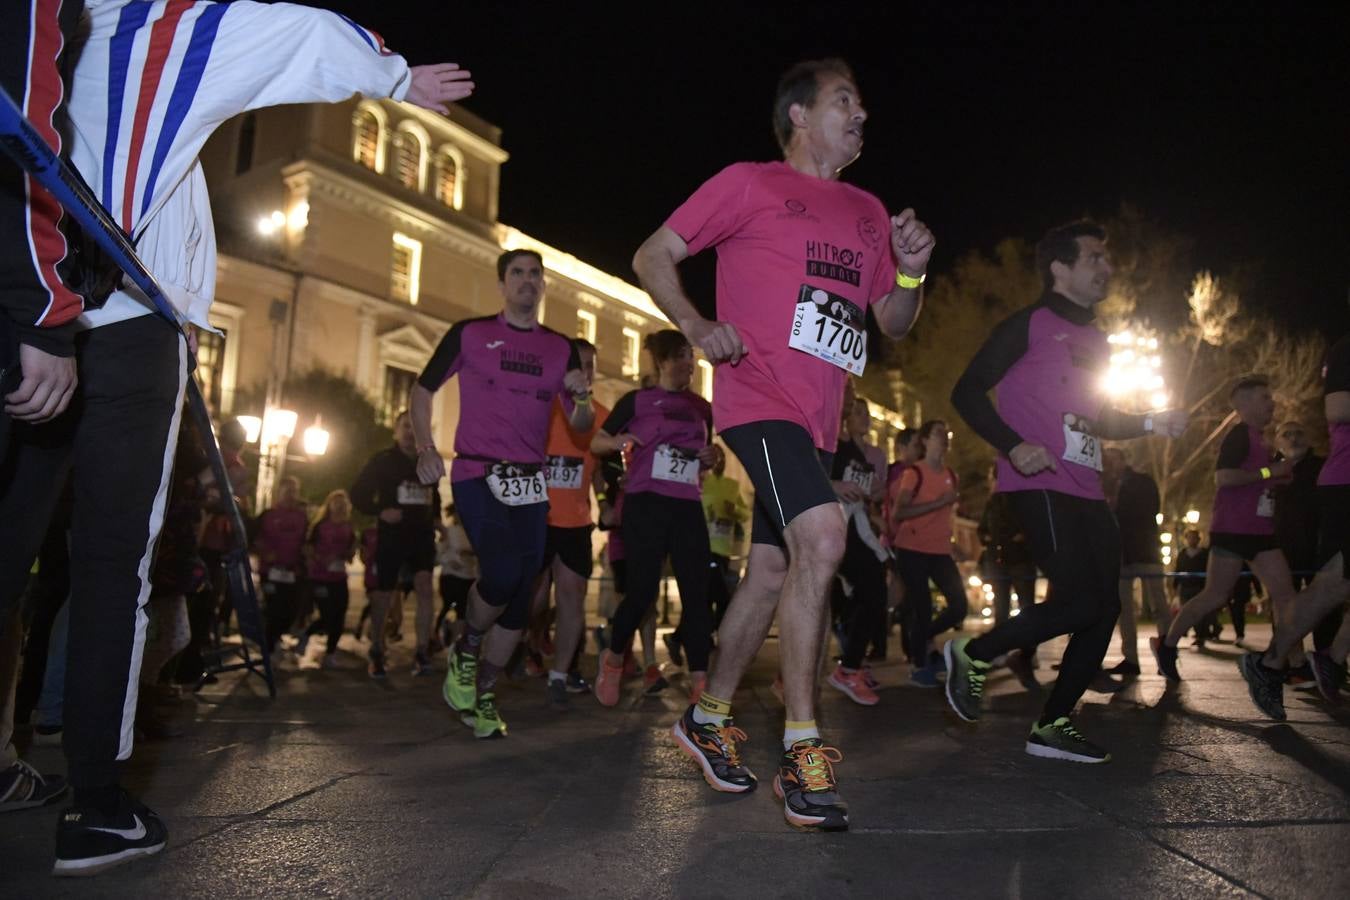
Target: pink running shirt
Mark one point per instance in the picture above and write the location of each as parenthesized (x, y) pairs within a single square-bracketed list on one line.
[(508, 377), (783, 236)]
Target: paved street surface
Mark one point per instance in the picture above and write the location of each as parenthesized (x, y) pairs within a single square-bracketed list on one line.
[(345, 787)]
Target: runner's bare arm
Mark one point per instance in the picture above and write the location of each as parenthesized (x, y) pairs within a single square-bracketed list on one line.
[(606, 444), (912, 243), (430, 466), (582, 416), (1114, 425), (656, 263)]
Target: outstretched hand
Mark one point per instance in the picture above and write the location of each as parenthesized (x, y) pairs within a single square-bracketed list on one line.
[(435, 87)]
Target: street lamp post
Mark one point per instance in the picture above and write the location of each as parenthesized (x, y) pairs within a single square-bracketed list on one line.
[(273, 433), (278, 427)]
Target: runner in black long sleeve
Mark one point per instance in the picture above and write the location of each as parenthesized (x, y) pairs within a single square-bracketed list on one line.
[(1045, 363)]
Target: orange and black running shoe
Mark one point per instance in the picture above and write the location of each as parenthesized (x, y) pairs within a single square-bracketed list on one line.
[(805, 782), (713, 747)]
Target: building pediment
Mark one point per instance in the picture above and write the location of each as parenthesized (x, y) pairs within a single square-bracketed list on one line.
[(405, 346)]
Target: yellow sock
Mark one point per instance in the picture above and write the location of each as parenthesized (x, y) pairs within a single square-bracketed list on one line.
[(711, 709)]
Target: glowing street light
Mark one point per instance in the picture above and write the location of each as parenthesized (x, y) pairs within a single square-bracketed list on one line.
[(316, 439), (1134, 376), (268, 225), (278, 426), (1192, 517), (252, 428)]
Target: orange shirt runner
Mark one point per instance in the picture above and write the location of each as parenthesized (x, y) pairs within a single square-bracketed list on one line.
[(569, 469), (932, 531)]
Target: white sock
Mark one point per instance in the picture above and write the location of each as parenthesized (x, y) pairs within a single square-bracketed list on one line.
[(793, 735), (554, 675), (703, 717)]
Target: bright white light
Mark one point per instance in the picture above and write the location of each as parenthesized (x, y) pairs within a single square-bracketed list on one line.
[(986, 612), (1156, 362), (278, 426), (299, 216), (1153, 344), (268, 225), (316, 440), (1192, 516), (1159, 399), (1158, 518), (1156, 382), (1165, 537), (1015, 612), (1015, 598), (252, 427), (1126, 356), (974, 581)]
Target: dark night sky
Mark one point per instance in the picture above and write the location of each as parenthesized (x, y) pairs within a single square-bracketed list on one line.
[(1228, 121)]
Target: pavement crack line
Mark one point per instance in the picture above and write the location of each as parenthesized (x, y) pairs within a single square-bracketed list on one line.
[(1167, 848)]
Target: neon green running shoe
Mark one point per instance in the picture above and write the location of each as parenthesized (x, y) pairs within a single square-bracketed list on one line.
[(461, 681), (965, 679), (484, 719), (1060, 740)]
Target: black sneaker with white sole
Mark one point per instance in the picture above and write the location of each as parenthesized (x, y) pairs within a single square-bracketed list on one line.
[(1264, 685), (24, 787), (89, 841), (1060, 740)]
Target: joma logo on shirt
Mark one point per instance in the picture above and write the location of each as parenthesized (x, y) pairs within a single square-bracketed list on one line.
[(522, 362), (1082, 357), (827, 260)]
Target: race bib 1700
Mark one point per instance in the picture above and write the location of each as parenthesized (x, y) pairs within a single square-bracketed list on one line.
[(1081, 446), (675, 464), (563, 472), (831, 328), (517, 484)]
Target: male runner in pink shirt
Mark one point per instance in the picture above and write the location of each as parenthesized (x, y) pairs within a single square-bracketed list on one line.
[(510, 370), (801, 257)]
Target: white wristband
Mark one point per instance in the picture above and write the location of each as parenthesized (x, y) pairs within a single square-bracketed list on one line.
[(1148, 424)]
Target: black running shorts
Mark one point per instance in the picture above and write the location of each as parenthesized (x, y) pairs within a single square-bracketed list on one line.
[(572, 546), (1245, 547), (789, 474), (397, 550)]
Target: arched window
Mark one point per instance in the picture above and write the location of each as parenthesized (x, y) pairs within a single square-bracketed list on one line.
[(366, 132), (366, 138), (409, 157), (450, 177)]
